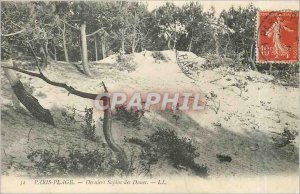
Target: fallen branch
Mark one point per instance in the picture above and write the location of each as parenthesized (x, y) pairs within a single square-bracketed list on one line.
[(70, 89)]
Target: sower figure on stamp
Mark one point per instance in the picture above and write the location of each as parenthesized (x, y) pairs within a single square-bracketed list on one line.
[(280, 49)]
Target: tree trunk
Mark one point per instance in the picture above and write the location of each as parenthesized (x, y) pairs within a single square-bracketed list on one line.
[(65, 44), (123, 44), (133, 41), (270, 69), (107, 123), (190, 45), (227, 44), (96, 49), (252, 56), (103, 46), (136, 44), (47, 52), (217, 45), (169, 44), (55, 52), (29, 101), (175, 41), (191, 42), (251, 59), (142, 47), (43, 54), (84, 51), (123, 40), (80, 50)]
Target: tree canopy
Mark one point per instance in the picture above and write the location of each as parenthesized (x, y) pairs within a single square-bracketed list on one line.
[(111, 27)]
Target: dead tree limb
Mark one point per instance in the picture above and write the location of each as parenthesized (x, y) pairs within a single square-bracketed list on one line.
[(29, 101), (40, 75), (107, 123)]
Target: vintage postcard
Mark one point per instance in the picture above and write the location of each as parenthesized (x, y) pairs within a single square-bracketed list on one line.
[(150, 96)]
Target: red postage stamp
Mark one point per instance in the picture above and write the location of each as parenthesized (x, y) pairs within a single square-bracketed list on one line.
[(277, 37)]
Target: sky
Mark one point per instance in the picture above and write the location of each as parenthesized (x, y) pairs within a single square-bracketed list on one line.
[(226, 4)]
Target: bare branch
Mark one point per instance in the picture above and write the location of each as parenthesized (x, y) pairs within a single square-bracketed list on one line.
[(69, 24), (14, 33), (35, 58), (105, 88), (101, 29), (70, 89)]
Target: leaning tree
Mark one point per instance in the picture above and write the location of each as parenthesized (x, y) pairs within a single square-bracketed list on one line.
[(18, 30)]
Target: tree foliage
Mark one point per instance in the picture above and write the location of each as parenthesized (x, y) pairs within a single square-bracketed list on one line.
[(126, 27)]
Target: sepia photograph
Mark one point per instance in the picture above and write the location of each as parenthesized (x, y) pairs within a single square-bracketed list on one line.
[(150, 96)]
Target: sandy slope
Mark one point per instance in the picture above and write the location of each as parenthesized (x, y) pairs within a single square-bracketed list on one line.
[(242, 128)]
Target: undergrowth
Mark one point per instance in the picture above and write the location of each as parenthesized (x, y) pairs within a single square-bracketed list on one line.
[(288, 136), (166, 144), (75, 163), (158, 56), (214, 61), (125, 63), (88, 125), (130, 118)]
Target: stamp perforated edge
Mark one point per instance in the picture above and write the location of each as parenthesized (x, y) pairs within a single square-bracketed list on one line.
[(257, 39)]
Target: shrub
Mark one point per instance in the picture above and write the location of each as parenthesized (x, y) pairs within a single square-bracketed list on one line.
[(224, 158), (131, 118), (189, 67), (286, 137), (236, 62), (212, 62), (286, 75), (88, 126), (148, 156), (212, 102), (67, 116), (158, 56), (165, 143), (240, 85), (41, 94), (125, 62), (76, 163)]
